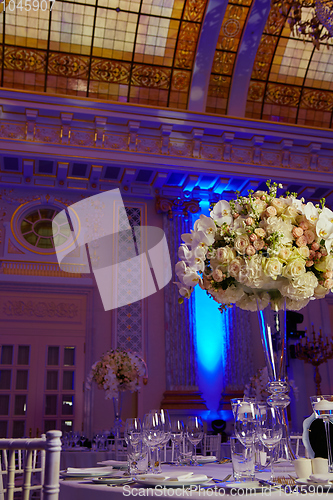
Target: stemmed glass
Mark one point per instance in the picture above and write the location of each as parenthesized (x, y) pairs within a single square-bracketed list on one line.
[(194, 432), (177, 435), (323, 408), (166, 428), (270, 428), (246, 422), (133, 431), (153, 435)]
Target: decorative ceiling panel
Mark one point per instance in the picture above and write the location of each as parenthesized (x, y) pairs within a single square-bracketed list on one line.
[(124, 50), (291, 81), (225, 55)]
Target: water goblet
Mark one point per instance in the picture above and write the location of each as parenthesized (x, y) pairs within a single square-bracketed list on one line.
[(194, 432), (323, 408), (270, 428)]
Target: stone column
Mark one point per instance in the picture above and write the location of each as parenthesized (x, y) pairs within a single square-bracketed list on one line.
[(181, 366)]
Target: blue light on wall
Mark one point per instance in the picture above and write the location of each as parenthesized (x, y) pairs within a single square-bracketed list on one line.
[(210, 339)]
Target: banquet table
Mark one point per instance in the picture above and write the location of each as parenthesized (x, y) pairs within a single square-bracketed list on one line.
[(87, 490), (86, 458)]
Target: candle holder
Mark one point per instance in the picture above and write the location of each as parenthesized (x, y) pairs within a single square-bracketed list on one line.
[(316, 352)]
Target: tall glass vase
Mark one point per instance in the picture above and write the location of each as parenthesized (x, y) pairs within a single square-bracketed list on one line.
[(117, 407), (272, 324)]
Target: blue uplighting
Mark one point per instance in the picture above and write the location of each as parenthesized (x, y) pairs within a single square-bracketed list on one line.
[(210, 340)]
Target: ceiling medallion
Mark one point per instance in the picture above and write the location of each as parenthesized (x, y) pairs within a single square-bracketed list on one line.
[(308, 19)]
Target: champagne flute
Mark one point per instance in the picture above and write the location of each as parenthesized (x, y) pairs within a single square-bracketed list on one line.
[(194, 432), (270, 428), (323, 408)]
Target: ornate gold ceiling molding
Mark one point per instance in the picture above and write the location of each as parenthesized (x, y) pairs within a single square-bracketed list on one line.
[(132, 137), (172, 206)]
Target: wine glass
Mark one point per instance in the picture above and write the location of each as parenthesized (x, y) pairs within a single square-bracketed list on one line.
[(270, 428), (323, 408), (133, 431), (166, 429), (246, 422), (177, 435), (153, 435), (194, 432)]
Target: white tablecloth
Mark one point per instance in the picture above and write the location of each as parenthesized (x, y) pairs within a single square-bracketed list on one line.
[(85, 458), (85, 490)]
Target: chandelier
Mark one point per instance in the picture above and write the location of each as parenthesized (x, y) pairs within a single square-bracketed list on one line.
[(308, 19)]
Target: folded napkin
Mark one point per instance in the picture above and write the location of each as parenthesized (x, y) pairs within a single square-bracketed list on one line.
[(114, 463), (176, 476), (79, 470), (321, 478)]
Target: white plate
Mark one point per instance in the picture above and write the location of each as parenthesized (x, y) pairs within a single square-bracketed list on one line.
[(112, 480), (318, 486), (78, 474), (241, 485), (116, 464), (206, 459), (171, 483)]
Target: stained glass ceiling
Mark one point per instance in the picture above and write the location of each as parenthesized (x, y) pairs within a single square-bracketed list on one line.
[(139, 51), (143, 51), (291, 80)]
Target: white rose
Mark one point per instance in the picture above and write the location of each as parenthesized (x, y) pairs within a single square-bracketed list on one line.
[(235, 267), (241, 243), (284, 253), (279, 204), (272, 267), (225, 255), (303, 252), (294, 268)]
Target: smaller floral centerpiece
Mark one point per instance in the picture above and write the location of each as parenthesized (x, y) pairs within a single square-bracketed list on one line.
[(117, 371), (257, 386)]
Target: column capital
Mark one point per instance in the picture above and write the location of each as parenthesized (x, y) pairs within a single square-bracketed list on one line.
[(177, 206)]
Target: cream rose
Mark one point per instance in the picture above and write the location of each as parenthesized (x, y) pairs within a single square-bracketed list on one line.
[(241, 243), (303, 252), (272, 267), (294, 268), (279, 204), (225, 255), (260, 232), (217, 275), (235, 267), (284, 253), (320, 292)]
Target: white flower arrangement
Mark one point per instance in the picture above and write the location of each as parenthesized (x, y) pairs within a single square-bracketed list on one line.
[(259, 246), (117, 371), (256, 388)]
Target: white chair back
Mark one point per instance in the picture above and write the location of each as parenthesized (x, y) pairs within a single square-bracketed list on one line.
[(212, 445), (29, 465)]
